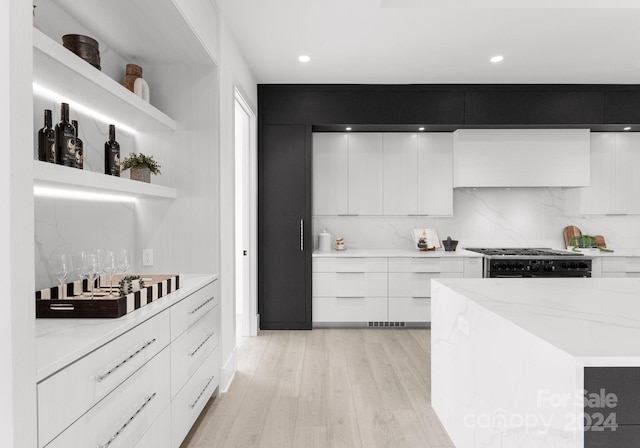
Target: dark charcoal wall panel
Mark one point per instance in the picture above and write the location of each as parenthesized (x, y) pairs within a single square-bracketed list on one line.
[(622, 107), (535, 107)]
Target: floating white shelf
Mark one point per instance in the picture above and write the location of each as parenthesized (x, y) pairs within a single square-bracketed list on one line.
[(49, 174), (59, 70)]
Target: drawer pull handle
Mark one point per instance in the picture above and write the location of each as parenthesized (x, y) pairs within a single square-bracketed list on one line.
[(199, 307), (420, 297), (193, 405), (122, 428), (99, 378), (350, 297), (351, 272), (201, 344)]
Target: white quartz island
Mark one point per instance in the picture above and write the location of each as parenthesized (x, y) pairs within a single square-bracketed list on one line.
[(511, 359)]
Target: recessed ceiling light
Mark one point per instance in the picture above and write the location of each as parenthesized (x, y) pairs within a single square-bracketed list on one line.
[(304, 58), (420, 129), (348, 129), (496, 58), (628, 128)]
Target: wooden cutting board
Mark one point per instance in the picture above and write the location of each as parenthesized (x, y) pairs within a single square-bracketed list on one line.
[(600, 241), (569, 232)]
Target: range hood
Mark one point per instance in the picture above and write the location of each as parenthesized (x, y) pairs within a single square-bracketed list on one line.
[(521, 158)]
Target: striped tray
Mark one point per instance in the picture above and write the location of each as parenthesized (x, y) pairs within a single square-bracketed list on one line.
[(66, 302)]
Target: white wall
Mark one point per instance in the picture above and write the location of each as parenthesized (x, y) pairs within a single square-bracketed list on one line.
[(234, 73), (492, 217), (17, 321)]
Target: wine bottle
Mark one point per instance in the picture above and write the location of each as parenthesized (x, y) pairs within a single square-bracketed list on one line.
[(79, 146), (112, 154), (65, 139), (47, 140)]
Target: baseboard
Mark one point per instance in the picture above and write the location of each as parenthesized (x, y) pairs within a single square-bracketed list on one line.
[(228, 372)]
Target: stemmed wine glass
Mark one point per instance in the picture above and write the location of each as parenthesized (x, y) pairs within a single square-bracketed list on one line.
[(124, 260), (60, 266), (93, 267), (110, 266), (79, 265)]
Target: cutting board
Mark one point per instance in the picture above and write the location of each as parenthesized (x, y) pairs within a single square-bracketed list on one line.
[(569, 232)]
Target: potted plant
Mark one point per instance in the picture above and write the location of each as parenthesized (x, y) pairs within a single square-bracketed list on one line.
[(142, 166), (580, 242)]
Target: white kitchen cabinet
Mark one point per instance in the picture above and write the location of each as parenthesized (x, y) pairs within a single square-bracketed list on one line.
[(615, 177), (400, 173), (521, 158), (435, 174), (330, 173), (365, 174), (620, 267)]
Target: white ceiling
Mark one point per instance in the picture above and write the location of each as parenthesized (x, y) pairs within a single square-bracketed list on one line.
[(415, 41)]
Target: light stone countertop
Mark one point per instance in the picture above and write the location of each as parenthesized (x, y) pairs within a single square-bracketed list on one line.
[(393, 253), (59, 342), (596, 320)]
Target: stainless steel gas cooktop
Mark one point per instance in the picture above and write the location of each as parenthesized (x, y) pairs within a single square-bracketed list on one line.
[(524, 252)]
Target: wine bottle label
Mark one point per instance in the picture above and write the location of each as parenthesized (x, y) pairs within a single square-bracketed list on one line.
[(51, 156), (113, 161), (79, 154), (68, 146)]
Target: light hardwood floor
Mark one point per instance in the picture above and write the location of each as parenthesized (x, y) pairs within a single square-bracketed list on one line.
[(338, 388)]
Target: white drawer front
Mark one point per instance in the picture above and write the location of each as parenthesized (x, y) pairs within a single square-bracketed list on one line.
[(415, 284), (349, 265), (189, 310), (409, 309), (159, 435), (187, 405), (125, 415), (443, 264), (94, 376), (192, 348), (349, 309), (621, 264), (621, 274), (348, 284)]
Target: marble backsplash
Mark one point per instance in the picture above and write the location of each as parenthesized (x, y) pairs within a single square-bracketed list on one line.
[(493, 217)]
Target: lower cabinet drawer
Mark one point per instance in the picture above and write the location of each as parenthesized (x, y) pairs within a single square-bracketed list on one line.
[(426, 264), (188, 404), (409, 309), (159, 435), (66, 395), (124, 416), (192, 348), (415, 284), (189, 310), (349, 309), (620, 264), (349, 284)]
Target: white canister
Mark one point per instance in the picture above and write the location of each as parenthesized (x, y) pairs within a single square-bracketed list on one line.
[(324, 241)]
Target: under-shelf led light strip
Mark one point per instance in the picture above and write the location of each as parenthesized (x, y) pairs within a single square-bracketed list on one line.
[(50, 94), (82, 195)]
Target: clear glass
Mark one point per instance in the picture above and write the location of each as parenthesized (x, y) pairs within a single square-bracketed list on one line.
[(93, 268), (110, 266), (79, 265), (60, 266), (124, 260)]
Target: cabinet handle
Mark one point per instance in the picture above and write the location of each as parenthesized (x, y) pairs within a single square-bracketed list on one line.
[(351, 272), (420, 297), (146, 344), (122, 428), (348, 214), (301, 235), (199, 307), (350, 297), (193, 405), (201, 344)]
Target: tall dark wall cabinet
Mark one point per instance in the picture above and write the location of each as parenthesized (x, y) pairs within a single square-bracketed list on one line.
[(287, 114), (285, 243)]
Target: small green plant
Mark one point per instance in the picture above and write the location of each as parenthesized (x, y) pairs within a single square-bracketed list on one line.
[(140, 160), (584, 241), (126, 284)]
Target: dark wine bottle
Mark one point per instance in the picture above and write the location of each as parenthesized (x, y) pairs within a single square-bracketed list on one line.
[(112, 154), (47, 140), (65, 139), (79, 146)]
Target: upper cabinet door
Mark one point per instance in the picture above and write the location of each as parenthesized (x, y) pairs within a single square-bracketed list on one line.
[(330, 173), (365, 174), (435, 174), (400, 174), (627, 173)]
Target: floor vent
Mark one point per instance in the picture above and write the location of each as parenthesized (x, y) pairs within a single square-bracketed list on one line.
[(387, 324)]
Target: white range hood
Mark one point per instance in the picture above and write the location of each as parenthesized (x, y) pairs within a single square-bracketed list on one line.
[(521, 158)]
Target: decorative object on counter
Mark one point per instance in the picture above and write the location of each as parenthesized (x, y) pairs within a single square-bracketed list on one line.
[(47, 140), (426, 239), (84, 47), (324, 241), (340, 244), (133, 81), (142, 166), (50, 305), (449, 244), (570, 232), (130, 284), (65, 148), (588, 243), (112, 154), (79, 146)]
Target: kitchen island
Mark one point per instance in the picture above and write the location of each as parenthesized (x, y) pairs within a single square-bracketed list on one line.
[(537, 362)]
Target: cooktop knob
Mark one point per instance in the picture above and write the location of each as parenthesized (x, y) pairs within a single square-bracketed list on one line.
[(583, 265), (535, 267), (549, 267)]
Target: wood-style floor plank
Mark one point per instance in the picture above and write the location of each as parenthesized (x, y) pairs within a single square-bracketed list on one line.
[(337, 388)]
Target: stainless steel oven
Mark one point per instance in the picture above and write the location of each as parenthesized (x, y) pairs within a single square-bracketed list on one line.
[(533, 263)]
